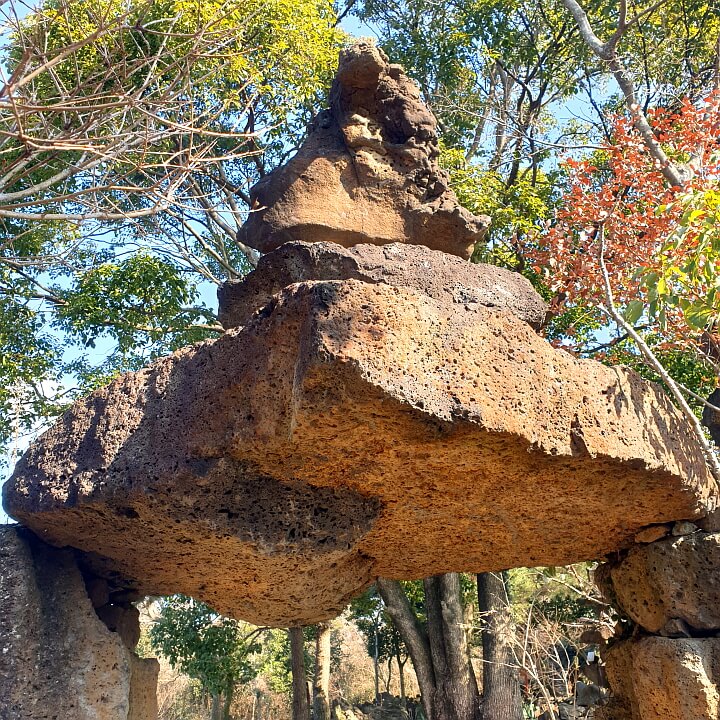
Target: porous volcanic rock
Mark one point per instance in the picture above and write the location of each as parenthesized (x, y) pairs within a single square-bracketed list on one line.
[(657, 678), (58, 660), (278, 470), (367, 172), (677, 578), (437, 275)]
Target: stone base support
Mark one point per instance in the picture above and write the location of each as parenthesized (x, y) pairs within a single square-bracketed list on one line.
[(670, 591), (58, 659), (657, 678)]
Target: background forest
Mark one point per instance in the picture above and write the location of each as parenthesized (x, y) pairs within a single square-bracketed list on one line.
[(130, 134)]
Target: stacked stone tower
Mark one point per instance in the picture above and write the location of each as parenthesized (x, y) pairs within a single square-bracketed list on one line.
[(372, 385)]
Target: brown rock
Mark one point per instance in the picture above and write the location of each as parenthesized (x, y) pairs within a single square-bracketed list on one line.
[(143, 688), (367, 172), (711, 522), (675, 578), (438, 275), (123, 620), (275, 472), (666, 679), (652, 533), (683, 527), (57, 659), (98, 591)]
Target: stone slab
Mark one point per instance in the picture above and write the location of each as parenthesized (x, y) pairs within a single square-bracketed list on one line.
[(438, 275), (352, 431)]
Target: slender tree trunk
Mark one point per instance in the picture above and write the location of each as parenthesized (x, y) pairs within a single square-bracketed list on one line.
[(501, 687), (415, 638), (321, 686), (300, 704), (227, 703), (376, 664), (401, 673), (256, 706), (456, 694), (216, 708)]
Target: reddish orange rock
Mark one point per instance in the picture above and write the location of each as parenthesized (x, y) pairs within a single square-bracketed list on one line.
[(351, 431)]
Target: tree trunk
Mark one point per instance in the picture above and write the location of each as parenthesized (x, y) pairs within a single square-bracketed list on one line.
[(401, 672), (501, 686), (376, 664), (439, 654), (300, 704), (227, 703), (457, 696), (256, 706), (414, 637), (321, 686), (216, 708)]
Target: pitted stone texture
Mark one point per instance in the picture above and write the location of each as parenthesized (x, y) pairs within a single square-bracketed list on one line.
[(58, 660), (367, 172), (657, 678), (438, 275), (677, 578), (275, 472)]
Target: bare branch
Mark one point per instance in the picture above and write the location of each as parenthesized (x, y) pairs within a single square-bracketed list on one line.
[(607, 52)]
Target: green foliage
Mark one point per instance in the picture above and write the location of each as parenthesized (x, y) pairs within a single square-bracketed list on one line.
[(683, 365), (381, 637), (555, 594), (221, 91), (138, 301), (516, 211), (275, 660), (687, 278), (216, 651)]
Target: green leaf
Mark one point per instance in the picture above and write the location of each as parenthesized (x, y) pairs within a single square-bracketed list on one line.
[(634, 310)]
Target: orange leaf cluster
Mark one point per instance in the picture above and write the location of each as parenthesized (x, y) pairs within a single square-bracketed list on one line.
[(622, 189)]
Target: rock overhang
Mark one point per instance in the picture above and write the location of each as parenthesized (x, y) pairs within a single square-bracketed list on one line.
[(276, 471)]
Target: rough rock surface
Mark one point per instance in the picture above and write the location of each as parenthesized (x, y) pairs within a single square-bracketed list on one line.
[(677, 578), (657, 678), (437, 275), (367, 172), (58, 660), (275, 472)]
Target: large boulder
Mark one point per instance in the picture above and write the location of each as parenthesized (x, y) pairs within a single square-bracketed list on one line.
[(351, 431), (438, 275), (677, 578), (59, 661), (367, 173), (657, 678)]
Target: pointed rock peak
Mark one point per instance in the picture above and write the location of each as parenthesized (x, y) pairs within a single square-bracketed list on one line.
[(367, 172)]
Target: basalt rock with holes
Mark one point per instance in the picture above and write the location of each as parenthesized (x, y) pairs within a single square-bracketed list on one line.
[(59, 659), (668, 665), (362, 391), (274, 472), (438, 275)]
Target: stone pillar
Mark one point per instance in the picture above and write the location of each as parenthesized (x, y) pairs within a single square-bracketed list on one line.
[(58, 659), (668, 665)]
